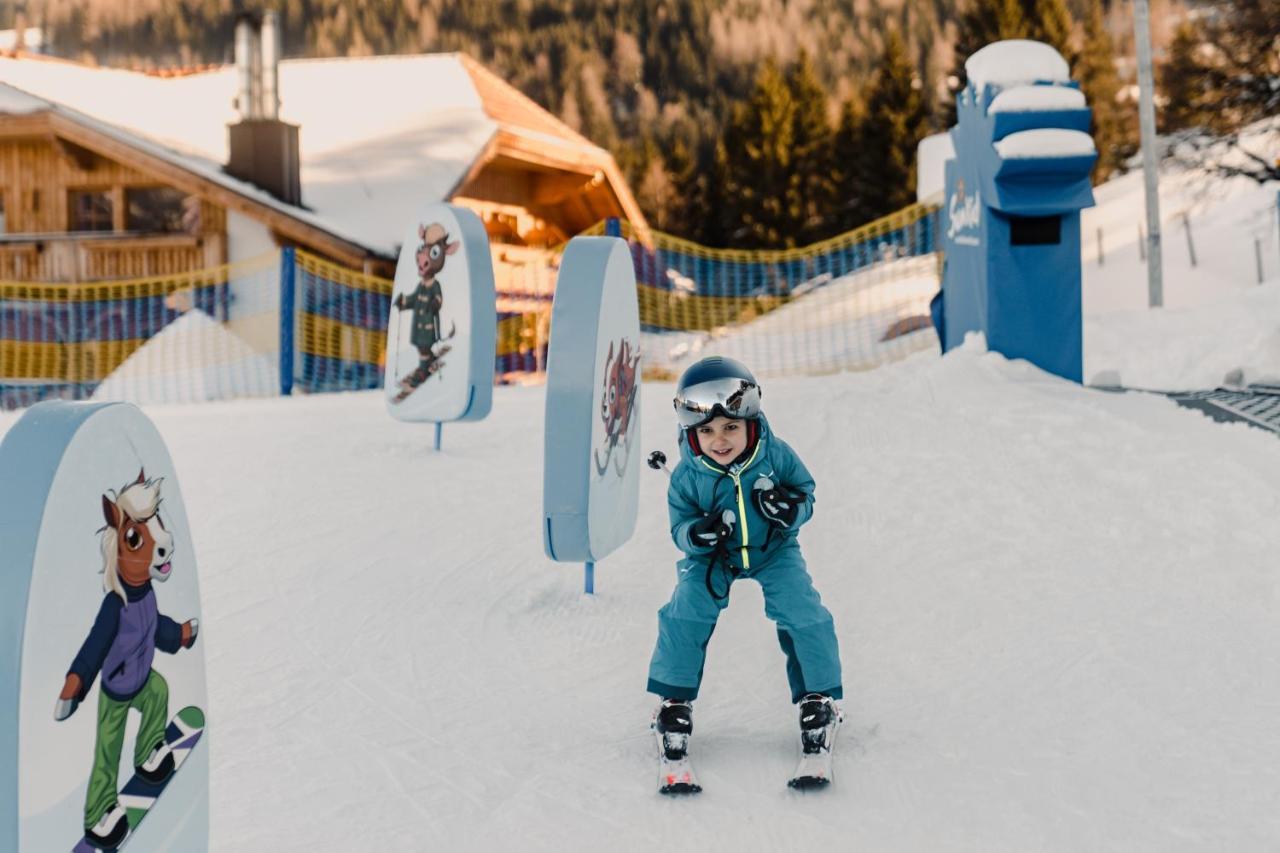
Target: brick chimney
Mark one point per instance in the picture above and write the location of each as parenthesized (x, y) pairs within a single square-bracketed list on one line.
[(264, 149)]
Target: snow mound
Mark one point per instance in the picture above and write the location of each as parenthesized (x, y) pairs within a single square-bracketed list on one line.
[(1045, 142), (1016, 62), (1034, 99), (193, 359)]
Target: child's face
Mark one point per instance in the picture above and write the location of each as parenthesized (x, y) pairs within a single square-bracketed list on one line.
[(723, 439)]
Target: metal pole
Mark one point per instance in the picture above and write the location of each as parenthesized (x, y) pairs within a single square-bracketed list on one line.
[(287, 319), (589, 578), (1102, 258), (1257, 254), (1147, 125), (439, 430), (1191, 246)]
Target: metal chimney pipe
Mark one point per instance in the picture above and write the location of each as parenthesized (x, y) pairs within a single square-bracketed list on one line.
[(271, 50), (245, 102)]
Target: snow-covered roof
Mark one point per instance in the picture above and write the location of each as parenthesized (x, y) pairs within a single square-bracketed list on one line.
[(1045, 142), (1016, 62), (1029, 99), (194, 164), (379, 136)]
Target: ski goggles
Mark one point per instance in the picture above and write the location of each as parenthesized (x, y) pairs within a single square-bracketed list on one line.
[(731, 397)]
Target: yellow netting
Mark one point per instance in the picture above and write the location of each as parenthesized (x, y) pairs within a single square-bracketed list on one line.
[(134, 288)]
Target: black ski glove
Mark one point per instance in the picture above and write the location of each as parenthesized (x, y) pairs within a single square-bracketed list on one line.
[(712, 530), (778, 504)]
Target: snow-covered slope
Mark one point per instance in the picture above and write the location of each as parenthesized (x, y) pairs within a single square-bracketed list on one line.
[(1058, 611)]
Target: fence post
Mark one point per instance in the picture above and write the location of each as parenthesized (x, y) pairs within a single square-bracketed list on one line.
[(287, 271), (1191, 246), (612, 227)]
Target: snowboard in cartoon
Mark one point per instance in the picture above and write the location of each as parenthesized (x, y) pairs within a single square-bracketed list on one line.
[(424, 305), (138, 794), (137, 552)]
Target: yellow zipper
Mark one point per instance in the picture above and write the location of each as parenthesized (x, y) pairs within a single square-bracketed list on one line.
[(742, 507)]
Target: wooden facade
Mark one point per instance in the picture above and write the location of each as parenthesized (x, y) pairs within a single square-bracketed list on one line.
[(48, 161), (39, 178)]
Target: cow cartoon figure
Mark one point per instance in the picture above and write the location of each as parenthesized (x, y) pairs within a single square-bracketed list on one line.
[(617, 404), (425, 303), (137, 551)]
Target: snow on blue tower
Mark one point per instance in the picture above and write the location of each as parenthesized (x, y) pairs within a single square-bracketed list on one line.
[(1011, 219)]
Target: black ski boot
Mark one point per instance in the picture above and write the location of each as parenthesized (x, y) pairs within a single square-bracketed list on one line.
[(820, 719), (673, 724)]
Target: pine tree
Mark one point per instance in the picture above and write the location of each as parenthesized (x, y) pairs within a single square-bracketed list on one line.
[(884, 166), (1181, 79), (1052, 25), (846, 148), (1095, 70), (811, 190), (755, 163), (981, 23)]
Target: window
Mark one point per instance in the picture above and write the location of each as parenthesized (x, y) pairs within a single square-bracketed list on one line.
[(156, 210), (1035, 230), (90, 210)]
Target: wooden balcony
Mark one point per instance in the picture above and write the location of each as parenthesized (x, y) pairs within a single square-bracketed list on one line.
[(94, 256)]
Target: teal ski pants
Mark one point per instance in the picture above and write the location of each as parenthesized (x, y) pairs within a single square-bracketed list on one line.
[(806, 631)]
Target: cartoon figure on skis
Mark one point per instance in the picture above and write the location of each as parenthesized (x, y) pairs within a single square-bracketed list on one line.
[(137, 550), (618, 402), (425, 303)]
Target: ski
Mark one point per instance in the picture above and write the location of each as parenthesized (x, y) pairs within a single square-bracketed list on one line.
[(820, 720)]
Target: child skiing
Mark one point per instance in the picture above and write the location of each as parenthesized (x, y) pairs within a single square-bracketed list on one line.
[(736, 500)]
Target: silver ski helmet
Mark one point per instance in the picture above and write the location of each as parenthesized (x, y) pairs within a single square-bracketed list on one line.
[(716, 386)]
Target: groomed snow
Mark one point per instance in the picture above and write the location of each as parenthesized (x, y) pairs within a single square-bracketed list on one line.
[(1045, 142), (1058, 612), (1029, 99), (1016, 62)]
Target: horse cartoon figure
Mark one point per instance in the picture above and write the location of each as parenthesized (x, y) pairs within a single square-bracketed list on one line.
[(616, 405), (425, 303), (136, 550)]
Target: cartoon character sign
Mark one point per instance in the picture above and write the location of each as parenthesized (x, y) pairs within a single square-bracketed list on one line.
[(443, 301), (425, 303), (121, 645), (100, 594), (616, 404), (591, 480)]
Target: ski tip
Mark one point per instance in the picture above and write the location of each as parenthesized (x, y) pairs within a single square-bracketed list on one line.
[(808, 783), (680, 788)]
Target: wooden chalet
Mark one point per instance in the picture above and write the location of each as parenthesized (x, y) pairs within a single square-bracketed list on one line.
[(107, 174)]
